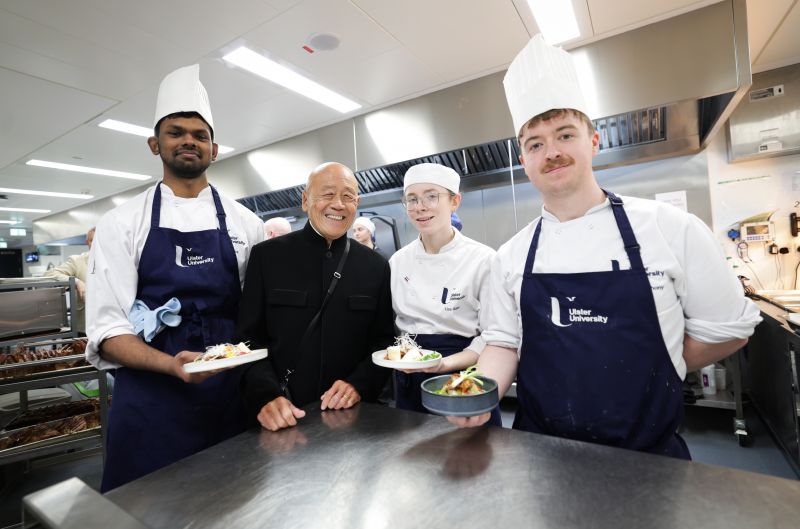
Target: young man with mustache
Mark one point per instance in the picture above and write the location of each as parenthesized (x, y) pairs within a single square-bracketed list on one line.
[(600, 306)]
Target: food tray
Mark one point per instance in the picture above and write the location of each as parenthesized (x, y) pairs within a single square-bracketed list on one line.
[(55, 439)]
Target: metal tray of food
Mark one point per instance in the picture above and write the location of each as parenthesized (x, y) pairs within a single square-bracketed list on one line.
[(51, 433)]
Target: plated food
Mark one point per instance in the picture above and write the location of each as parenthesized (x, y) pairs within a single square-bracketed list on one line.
[(466, 382), (406, 354), (223, 356), (463, 394)]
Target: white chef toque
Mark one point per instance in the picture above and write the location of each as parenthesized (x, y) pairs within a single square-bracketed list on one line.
[(182, 91), (432, 173), (364, 221), (541, 78)]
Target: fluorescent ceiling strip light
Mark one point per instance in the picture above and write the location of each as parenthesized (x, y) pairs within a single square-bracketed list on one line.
[(556, 20), (43, 193), (121, 126), (251, 61), (26, 210), (90, 170), (128, 128), (8, 221)]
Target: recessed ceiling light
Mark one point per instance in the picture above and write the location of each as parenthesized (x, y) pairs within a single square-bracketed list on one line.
[(26, 210), (251, 61), (121, 126), (8, 221), (556, 20), (43, 193), (90, 170)]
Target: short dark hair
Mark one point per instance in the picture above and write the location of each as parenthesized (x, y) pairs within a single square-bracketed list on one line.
[(157, 128), (556, 113)]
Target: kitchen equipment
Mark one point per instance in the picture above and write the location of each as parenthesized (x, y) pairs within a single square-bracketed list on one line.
[(32, 311)]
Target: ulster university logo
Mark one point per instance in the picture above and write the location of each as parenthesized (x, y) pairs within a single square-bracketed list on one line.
[(574, 315), (190, 258)]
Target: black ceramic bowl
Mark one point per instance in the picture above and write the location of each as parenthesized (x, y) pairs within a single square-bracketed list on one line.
[(458, 405)]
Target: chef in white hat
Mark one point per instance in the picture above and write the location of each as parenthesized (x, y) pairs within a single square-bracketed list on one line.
[(178, 247), (601, 305), (364, 232), (440, 281)]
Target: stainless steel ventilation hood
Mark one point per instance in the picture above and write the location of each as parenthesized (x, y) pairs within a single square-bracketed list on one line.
[(666, 89)]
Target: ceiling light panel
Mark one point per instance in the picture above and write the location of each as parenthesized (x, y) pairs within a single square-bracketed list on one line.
[(14, 191), (129, 128), (26, 210), (270, 70), (89, 170), (556, 20)]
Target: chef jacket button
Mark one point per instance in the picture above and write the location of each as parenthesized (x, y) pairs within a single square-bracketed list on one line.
[(558, 232), (328, 254)]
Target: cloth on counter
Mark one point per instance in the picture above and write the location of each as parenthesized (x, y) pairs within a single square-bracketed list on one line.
[(112, 277), (147, 323), (693, 287), (442, 293)]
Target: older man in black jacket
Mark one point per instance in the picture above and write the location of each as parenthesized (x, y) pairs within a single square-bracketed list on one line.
[(315, 355)]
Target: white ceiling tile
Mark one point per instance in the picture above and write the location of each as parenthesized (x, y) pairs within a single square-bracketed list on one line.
[(610, 15), (763, 17), (390, 76), (456, 38), (783, 48), (35, 112)]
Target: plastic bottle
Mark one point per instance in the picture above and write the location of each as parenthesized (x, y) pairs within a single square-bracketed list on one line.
[(708, 380)]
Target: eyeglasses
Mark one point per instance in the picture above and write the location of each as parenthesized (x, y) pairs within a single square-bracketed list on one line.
[(428, 200), (346, 198)]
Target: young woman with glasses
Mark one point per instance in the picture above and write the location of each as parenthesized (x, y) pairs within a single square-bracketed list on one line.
[(438, 281)]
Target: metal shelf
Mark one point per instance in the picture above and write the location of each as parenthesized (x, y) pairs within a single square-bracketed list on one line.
[(93, 438), (724, 399)]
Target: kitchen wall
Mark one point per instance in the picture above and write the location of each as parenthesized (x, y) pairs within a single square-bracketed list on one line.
[(743, 189)]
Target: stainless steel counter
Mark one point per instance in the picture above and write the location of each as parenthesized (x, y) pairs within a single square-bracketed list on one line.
[(377, 467)]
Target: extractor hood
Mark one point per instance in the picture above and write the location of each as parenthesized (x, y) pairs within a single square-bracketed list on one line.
[(666, 89), (767, 121)]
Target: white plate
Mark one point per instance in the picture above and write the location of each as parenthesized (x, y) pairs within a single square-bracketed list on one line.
[(378, 358), (199, 367)]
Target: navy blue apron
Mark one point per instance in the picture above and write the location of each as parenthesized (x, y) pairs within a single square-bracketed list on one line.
[(157, 419), (593, 363), (409, 394)]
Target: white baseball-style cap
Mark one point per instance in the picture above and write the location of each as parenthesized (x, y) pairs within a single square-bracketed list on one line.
[(364, 221), (432, 173), (541, 77), (182, 91)]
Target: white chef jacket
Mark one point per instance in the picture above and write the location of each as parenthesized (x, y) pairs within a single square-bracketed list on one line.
[(694, 289), (442, 293), (113, 276)]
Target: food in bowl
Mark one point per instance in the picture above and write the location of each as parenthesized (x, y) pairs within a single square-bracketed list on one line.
[(463, 383)]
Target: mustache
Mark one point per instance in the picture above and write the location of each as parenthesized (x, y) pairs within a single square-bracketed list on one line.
[(563, 162)]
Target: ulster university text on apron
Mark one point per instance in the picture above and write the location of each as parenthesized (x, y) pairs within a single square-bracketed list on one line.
[(157, 419), (593, 363)]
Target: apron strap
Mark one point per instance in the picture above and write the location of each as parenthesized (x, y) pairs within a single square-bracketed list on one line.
[(626, 231), (155, 211), (532, 250), (220, 210)]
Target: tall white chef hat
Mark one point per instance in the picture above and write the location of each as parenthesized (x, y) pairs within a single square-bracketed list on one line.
[(432, 173), (541, 77), (364, 221), (182, 91)]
